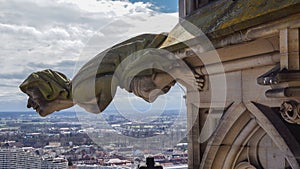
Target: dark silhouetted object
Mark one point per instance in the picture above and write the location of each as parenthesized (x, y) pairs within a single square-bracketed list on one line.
[(150, 164), (70, 163)]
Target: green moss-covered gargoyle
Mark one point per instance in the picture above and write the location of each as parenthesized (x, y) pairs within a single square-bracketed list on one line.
[(137, 65)]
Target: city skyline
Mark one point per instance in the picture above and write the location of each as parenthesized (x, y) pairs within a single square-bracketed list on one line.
[(86, 141)]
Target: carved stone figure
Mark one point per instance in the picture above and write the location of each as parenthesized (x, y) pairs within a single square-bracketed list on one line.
[(135, 65)]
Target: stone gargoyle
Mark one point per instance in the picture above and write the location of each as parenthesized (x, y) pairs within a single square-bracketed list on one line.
[(137, 65)]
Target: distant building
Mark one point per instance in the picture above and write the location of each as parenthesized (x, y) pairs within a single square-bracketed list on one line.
[(18, 158), (83, 166), (56, 163), (13, 158), (55, 144), (116, 161)]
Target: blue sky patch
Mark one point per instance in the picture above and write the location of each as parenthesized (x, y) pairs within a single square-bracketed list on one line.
[(166, 6)]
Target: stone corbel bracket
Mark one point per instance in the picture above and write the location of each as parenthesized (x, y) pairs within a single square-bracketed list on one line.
[(285, 83), (284, 78)]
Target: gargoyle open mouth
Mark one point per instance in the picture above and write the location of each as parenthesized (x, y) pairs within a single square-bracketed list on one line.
[(33, 104)]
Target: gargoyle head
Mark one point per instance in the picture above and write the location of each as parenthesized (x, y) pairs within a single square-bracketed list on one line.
[(47, 91)]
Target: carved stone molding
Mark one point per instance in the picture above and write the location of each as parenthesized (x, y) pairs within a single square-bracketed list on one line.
[(247, 139), (244, 165)]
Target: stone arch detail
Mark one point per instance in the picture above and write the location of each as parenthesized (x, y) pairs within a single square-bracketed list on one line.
[(245, 140)]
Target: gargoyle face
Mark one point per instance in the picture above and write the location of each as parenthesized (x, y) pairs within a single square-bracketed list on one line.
[(151, 95), (38, 103), (45, 107), (149, 89), (48, 91)]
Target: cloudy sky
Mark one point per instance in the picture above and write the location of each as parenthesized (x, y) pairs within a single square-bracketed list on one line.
[(60, 34)]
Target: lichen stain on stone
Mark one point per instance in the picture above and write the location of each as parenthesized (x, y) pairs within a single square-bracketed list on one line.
[(253, 9), (246, 10), (225, 17)]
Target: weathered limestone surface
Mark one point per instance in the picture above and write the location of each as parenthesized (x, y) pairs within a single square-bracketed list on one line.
[(249, 38)]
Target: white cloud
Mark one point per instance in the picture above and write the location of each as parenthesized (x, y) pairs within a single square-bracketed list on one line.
[(40, 34), (113, 8)]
